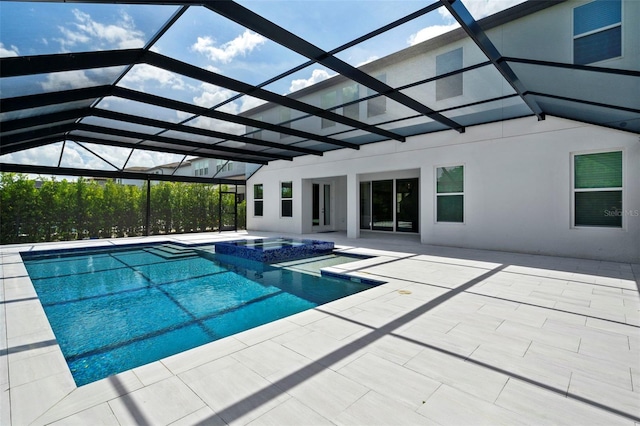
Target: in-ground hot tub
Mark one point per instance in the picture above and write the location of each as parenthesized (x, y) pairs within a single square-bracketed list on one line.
[(273, 250)]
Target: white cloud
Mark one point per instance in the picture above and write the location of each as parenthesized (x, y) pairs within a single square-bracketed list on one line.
[(47, 155), (11, 51), (66, 80), (224, 53), (143, 73), (213, 95), (316, 76), (430, 32), (119, 35)]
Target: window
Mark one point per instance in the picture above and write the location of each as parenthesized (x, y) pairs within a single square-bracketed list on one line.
[(286, 201), (450, 86), (285, 120), (377, 105), (255, 132), (201, 168), (597, 189), (224, 166), (450, 194), (327, 102), (597, 31), (257, 200), (350, 94)]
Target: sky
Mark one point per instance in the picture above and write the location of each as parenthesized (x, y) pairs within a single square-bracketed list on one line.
[(202, 38)]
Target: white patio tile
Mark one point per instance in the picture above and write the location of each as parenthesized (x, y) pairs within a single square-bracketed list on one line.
[(202, 354), (513, 329), (100, 415), (204, 416), (391, 380), (31, 400), (90, 395), (614, 397), (323, 390), (159, 404), (540, 372), (290, 413), (336, 327), (271, 360), (375, 409), (480, 381), (233, 391), (25, 370), (452, 406), (265, 332), (151, 373), (605, 370), (549, 408)]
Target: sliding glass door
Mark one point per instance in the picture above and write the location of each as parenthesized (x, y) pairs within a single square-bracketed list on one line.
[(390, 205)]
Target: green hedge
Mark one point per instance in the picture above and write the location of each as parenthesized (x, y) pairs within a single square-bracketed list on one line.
[(55, 210)]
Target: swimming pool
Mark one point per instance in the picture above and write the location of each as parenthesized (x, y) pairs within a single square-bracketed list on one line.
[(112, 310)]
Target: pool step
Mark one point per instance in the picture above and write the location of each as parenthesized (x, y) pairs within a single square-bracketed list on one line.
[(170, 251)]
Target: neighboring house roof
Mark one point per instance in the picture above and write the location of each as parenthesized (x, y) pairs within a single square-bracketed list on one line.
[(49, 98)]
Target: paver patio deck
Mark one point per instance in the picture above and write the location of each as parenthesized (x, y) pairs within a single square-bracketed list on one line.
[(455, 336)]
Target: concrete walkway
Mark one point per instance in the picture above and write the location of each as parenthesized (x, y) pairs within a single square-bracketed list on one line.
[(455, 337)]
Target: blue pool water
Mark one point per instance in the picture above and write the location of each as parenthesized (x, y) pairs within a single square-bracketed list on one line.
[(113, 310)]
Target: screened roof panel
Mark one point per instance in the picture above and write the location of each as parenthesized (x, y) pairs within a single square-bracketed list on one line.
[(353, 18), (121, 125), (142, 158), (269, 80), (472, 86), (78, 27), (415, 31), (36, 127), (58, 81), (44, 110), (48, 156), (74, 155), (127, 106), (583, 85), (205, 39), (95, 135), (502, 109), (113, 154), (214, 124), (615, 118)]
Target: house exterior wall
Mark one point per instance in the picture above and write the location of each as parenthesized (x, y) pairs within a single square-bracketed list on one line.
[(517, 195)]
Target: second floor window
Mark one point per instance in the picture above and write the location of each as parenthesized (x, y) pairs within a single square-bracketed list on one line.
[(597, 31), (450, 86)]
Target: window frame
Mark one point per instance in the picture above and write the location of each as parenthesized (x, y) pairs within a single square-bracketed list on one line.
[(286, 199), (257, 200), (596, 31), (573, 190), (446, 194)]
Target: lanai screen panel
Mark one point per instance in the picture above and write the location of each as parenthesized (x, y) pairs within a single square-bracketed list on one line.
[(259, 81)]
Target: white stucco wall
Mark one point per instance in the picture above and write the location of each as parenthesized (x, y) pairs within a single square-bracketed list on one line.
[(517, 187)]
